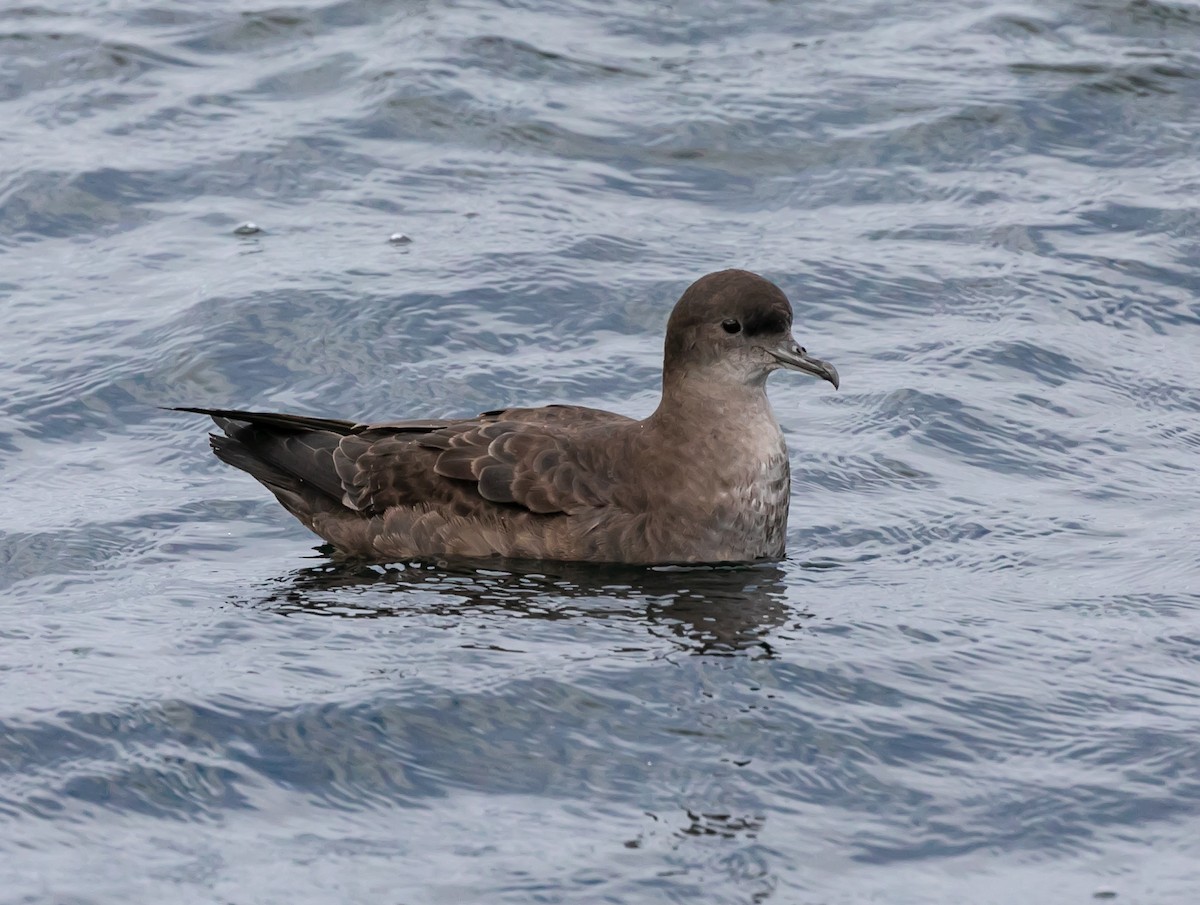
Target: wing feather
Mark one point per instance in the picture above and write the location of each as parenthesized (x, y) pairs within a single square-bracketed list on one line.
[(471, 465), (541, 460)]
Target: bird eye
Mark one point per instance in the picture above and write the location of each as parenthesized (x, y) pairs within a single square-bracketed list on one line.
[(731, 326)]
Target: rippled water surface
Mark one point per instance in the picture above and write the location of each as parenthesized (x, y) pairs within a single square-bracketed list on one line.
[(974, 679)]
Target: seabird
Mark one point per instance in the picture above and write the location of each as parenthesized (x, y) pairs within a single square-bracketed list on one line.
[(704, 479)]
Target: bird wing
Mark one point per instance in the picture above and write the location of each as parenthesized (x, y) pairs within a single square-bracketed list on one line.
[(536, 459), (530, 458)]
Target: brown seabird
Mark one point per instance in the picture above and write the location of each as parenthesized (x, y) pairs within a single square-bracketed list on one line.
[(704, 479)]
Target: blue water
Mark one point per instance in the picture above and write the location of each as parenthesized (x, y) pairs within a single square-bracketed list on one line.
[(976, 678)]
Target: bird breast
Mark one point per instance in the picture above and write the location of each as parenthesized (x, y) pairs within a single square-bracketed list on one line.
[(747, 483)]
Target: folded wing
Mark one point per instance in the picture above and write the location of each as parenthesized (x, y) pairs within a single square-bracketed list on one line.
[(521, 458)]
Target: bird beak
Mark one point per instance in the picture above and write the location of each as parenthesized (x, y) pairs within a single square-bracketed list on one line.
[(794, 358)]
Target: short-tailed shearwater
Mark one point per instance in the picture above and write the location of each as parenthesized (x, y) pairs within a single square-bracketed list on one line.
[(704, 479)]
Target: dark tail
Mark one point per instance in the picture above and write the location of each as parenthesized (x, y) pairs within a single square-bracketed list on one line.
[(290, 455), (274, 419)]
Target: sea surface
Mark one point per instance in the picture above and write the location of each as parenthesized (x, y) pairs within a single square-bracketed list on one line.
[(976, 676)]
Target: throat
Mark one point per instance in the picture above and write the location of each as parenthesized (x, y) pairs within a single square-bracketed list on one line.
[(690, 407), (727, 433)]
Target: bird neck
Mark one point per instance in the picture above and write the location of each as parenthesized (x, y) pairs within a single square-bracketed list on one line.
[(691, 403)]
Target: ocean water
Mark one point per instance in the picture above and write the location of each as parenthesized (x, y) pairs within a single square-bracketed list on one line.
[(975, 678)]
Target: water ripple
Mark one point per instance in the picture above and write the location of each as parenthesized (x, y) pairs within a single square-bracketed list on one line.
[(973, 679)]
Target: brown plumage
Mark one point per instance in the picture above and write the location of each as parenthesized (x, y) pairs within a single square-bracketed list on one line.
[(703, 479)]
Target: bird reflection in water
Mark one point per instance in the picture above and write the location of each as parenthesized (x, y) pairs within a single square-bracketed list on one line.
[(705, 610)]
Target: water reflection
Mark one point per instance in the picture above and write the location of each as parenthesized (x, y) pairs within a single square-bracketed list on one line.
[(708, 610)]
